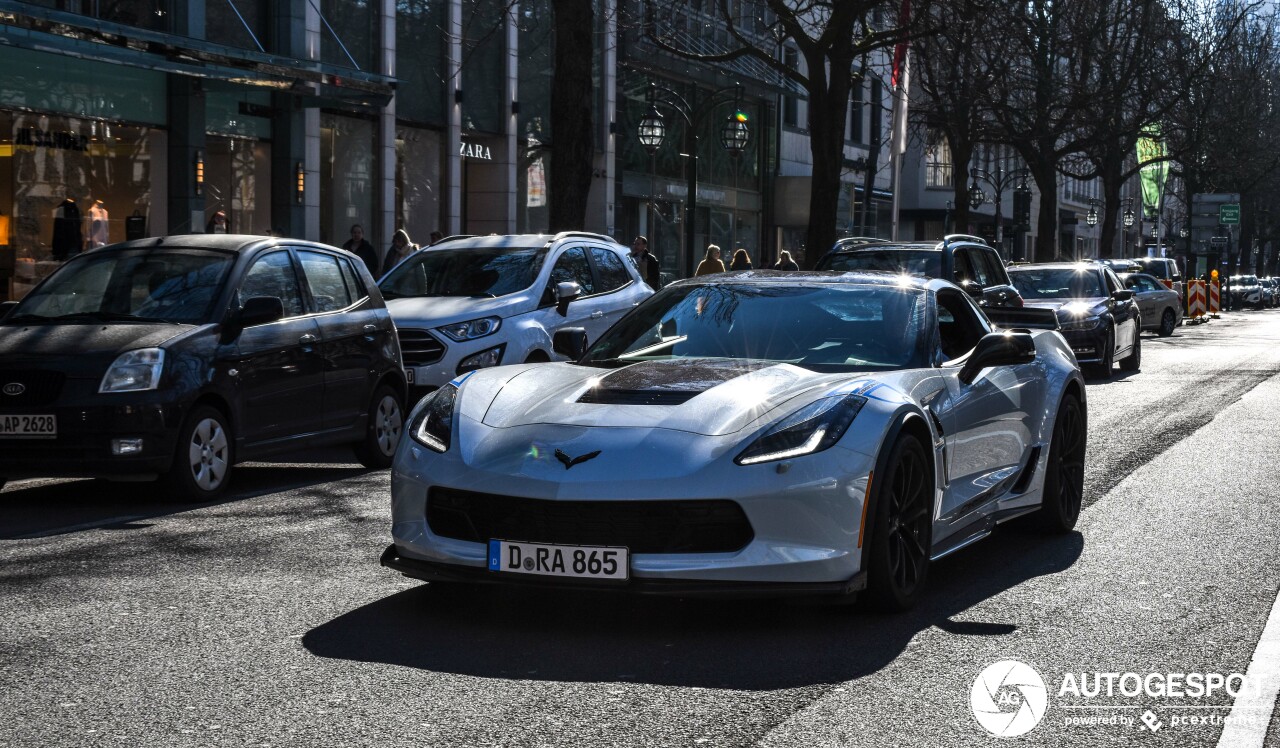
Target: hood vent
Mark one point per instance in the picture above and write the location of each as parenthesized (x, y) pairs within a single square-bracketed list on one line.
[(603, 396)]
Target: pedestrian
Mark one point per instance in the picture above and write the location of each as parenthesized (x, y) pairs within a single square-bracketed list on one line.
[(401, 248), (360, 247), (785, 262), (436, 236), (217, 224), (646, 263), (711, 263), (741, 260)]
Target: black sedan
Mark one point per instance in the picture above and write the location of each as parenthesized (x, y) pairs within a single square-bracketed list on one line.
[(1097, 315), (178, 357)]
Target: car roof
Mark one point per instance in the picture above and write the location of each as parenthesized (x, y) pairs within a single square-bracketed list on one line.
[(816, 277), (1058, 266), (888, 247), (224, 242), (518, 240)]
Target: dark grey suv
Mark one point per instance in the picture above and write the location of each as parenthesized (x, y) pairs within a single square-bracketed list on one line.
[(966, 261)]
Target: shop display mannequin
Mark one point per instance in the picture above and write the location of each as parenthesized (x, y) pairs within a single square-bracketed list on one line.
[(67, 239), (99, 229)]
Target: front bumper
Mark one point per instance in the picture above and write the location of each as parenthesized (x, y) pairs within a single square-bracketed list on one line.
[(429, 571), (1088, 345), (87, 423)]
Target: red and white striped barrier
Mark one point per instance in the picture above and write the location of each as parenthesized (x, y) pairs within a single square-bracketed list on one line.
[(1215, 299), (1195, 300)]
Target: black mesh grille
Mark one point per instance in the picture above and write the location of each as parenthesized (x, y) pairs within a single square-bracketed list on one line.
[(36, 387), (419, 347), (603, 396), (693, 526)]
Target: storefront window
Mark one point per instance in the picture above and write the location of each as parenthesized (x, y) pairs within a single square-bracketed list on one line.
[(346, 178), (420, 29), (532, 170), (70, 184), (418, 185), (237, 183)]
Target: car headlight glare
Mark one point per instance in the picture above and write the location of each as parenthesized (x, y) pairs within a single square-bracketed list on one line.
[(482, 360), (134, 371), (433, 426), (811, 429), (1080, 323), (472, 329)]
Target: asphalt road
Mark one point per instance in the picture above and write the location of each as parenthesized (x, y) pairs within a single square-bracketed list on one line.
[(265, 619)]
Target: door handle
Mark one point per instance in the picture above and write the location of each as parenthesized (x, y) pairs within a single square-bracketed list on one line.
[(370, 329), (307, 339)]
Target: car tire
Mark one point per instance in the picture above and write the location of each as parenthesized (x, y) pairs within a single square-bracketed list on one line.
[(902, 528), (1062, 496), (384, 430), (1168, 321), (1133, 362), (1102, 370), (204, 459)]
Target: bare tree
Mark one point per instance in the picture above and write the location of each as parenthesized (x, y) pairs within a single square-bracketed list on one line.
[(832, 37), (572, 123)]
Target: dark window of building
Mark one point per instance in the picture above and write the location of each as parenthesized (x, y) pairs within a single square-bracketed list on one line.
[(484, 76), (790, 104), (354, 38), (420, 63), (855, 114), (144, 14), (236, 23)]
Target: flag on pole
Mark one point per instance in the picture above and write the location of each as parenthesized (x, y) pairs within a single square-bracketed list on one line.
[(900, 83)]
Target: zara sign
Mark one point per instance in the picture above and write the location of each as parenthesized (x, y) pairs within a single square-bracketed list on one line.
[(475, 150)]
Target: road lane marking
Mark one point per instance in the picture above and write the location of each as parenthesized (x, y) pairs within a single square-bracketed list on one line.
[(1244, 730)]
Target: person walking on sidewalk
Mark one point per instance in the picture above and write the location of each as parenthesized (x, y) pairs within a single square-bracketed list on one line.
[(360, 247)]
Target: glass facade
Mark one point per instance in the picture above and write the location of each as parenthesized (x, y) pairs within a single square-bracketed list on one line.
[(484, 45), (237, 182), (419, 163), (146, 14), (346, 178), (421, 28), (354, 29), (237, 23)]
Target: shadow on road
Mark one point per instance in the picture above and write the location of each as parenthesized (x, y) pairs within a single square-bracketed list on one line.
[(55, 508), (746, 645)]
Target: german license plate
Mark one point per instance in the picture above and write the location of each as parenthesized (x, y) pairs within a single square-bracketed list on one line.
[(409, 374), (579, 561), (28, 427)]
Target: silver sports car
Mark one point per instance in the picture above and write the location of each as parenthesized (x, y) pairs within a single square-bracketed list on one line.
[(758, 431)]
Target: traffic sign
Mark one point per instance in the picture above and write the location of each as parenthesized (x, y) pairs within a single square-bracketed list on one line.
[(1229, 214), (1218, 241)]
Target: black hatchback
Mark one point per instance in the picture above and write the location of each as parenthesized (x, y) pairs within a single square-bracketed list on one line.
[(179, 357), (966, 261)]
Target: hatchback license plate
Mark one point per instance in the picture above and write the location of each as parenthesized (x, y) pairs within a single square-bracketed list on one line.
[(579, 561), (28, 427)]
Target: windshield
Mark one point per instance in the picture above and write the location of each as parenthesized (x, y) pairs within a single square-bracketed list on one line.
[(146, 285), (1159, 269), (1245, 280), (927, 263), (1057, 283), (827, 328), (480, 272)]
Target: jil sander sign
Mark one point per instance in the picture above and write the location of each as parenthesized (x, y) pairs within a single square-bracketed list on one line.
[(474, 150), (67, 141)]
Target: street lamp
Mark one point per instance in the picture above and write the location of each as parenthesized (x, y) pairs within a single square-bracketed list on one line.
[(1128, 222), (734, 137), (1092, 217), (999, 181)]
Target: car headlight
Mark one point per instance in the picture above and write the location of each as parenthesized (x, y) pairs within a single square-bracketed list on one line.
[(811, 429), (1080, 323), (482, 360), (433, 426), (470, 330), (134, 371)]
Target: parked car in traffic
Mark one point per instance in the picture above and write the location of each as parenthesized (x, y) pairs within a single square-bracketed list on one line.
[(1164, 269), (472, 302), (1160, 306), (724, 436), (1246, 291), (1098, 316), (966, 261), (1269, 292), (179, 357)]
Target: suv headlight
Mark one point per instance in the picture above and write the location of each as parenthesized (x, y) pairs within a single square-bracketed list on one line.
[(134, 371), (470, 330), (1080, 323), (811, 429), (433, 426)]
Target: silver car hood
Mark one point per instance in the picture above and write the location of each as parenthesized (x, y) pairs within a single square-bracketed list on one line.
[(712, 397), (431, 311)]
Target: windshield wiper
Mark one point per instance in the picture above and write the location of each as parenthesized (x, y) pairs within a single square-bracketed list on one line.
[(610, 363), (26, 318), (108, 317)]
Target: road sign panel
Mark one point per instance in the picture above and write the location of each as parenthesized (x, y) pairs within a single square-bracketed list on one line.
[(1229, 213), (1218, 241)]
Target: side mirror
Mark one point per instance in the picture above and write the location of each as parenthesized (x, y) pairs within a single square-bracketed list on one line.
[(570, 342), (6, 307), (260, 310), (998, 349), (1122, 295), (565, 293), (972, 288)]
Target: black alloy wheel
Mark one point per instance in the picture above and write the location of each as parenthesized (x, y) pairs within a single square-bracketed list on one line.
[(1168, 321), (1063, 493), (1102, 369), (902, 533), (1133, 362)]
